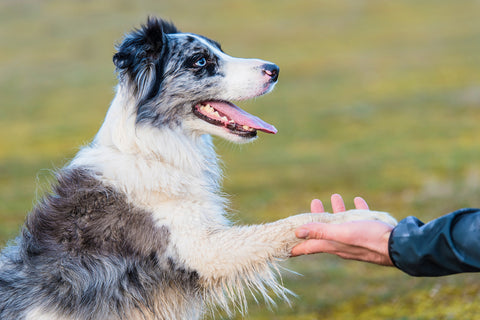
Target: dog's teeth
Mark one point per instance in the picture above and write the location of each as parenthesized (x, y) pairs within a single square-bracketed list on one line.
[(246, 127), (207, 108)]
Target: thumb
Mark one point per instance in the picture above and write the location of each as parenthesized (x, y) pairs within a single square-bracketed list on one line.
[(312, 231), (302, 232)]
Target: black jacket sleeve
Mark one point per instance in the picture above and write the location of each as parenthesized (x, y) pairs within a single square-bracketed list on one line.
[(447, 245)]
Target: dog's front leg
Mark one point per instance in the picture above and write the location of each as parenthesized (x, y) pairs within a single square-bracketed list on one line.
[(240, 247), (245, 254)]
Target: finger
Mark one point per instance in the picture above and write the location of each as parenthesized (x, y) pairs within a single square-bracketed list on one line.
[(360, 203), (337, 203), (316, 206), (343, 232), (302, 232), (314, 231), (311, 246)]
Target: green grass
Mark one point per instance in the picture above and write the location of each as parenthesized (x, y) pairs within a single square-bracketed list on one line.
[(379, 99)]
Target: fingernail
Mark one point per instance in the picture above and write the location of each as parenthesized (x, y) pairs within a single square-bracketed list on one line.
[(302, 233)]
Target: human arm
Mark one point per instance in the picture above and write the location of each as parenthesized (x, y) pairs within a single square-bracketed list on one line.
[(447, 245)]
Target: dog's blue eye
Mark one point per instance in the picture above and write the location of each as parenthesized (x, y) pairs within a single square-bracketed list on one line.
[(201, 62)]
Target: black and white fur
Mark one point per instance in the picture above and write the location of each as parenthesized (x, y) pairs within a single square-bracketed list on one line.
[(135, 226)]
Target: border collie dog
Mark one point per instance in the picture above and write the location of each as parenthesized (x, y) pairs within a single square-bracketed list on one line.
[(135, 226)]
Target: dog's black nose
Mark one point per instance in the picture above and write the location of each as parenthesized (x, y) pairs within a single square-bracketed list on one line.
[(271, 70)]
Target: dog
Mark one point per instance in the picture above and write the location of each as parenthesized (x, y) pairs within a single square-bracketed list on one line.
[(135, 226)]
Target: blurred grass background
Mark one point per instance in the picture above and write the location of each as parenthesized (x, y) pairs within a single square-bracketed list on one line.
[(376, 98)]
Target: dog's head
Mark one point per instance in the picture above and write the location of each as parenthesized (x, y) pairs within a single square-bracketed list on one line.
[(186, 80)]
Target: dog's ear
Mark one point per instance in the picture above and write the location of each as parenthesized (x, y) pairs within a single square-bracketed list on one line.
[(145, 45), (141, 57)]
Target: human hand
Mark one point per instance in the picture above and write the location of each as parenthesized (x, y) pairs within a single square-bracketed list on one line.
[(365, 240)]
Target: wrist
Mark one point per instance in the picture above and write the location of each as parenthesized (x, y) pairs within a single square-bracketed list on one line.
[(388, 256)]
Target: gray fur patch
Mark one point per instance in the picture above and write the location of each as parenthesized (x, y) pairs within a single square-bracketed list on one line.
[(86, 253)]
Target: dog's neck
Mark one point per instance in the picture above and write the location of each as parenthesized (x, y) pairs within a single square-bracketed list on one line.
[(144, 161)]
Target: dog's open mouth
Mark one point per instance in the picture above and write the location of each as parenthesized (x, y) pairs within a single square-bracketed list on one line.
[(228, 115)]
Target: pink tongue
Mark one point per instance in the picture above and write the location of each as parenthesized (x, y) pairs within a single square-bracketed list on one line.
[(242, 117)]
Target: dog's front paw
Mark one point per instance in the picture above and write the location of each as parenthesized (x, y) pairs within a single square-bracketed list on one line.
[(358, 214)]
